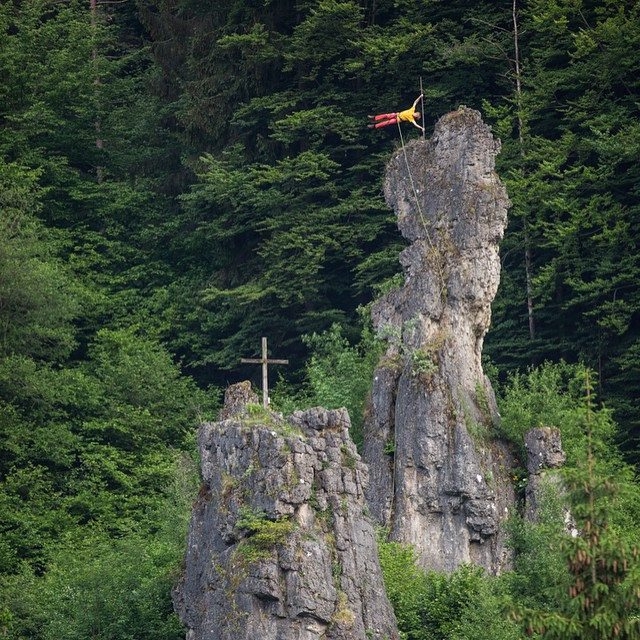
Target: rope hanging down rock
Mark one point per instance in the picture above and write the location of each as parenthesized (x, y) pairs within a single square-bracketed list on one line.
[(417, 200)]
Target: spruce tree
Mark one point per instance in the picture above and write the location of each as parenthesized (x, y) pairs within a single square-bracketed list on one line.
[(602, 557)]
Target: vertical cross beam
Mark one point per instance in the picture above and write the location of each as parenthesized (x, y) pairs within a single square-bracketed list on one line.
[(424, 126), (265, 361)]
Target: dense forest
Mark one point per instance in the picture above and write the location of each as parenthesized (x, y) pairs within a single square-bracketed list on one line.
[(180, 177)]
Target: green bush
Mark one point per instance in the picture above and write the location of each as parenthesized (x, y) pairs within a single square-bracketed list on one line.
[(566, 587), (103, 588), (263, 535), (551, 395), (540, 578), (465, 605), (338, 374)]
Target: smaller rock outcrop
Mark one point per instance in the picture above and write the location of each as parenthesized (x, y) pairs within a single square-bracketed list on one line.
[(544, 456), (280, 547), (544, 449)]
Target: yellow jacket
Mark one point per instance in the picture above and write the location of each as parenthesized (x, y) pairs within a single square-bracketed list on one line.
[(407, 115)]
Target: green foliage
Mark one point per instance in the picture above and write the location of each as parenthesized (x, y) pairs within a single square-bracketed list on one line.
[(603, 560), (551, 396), (276, 230), (263, 535), (38, 299), (257, 415), (105, 588), (88, 444), (465, 605), (570, 246), (76, 121), (337, 375), (403, 583), (341, 374), (554, 395), (140, 375), (540, 578), (585, 585), (422, 364)]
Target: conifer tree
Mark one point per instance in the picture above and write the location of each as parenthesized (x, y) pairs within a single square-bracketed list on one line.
[(603, 559), (581, 222)]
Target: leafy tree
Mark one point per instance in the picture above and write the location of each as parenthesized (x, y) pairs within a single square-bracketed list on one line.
[(572, 188), (549, 395), (37, 300), (91, 444), (337, 374), (540, 578), (79, 116), (106, 588)]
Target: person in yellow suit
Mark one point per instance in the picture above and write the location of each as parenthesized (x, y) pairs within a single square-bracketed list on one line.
[(408, 115)]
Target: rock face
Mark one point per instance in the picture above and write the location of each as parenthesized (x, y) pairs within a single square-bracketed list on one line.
[(544, 449), (279, 544), (544, 456), (438, 479)]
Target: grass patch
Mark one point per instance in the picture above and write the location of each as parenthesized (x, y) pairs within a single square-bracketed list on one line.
[(262, 535)]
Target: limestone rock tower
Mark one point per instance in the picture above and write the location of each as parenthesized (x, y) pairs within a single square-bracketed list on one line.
[(439, 480)]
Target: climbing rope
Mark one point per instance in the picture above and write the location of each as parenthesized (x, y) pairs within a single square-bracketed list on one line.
[(422, 218), (413, 186), (424, 129)]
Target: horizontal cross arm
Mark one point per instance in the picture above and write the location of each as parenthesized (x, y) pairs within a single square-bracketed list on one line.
[(260, 361)]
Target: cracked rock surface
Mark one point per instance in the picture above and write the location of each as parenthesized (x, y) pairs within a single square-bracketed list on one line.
[(280, 546)]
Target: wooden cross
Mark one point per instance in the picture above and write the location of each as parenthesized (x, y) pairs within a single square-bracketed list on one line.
[(264, 361)]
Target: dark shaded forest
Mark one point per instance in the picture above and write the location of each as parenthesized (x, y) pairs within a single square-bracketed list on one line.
[(180, 177)]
